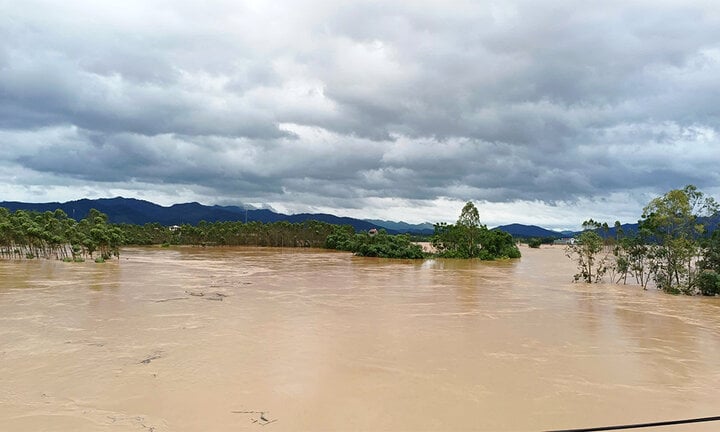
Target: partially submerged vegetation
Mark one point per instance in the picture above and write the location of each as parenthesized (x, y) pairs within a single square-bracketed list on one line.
[(468, 238), (374, 244), (231, 233), (671, 248), (27, 234)]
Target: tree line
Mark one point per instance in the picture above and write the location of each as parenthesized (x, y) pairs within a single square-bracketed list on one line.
[(231, 233), (672, 247), (27, 234), (30, 234)]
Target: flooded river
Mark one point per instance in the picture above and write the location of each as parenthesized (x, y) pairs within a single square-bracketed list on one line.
[(285, 339)]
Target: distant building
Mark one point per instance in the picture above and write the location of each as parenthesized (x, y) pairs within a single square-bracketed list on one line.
[(372, 232), (174, 228), (564, 241)]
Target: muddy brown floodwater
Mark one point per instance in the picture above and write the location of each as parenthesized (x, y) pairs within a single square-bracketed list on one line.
[(285, 339)]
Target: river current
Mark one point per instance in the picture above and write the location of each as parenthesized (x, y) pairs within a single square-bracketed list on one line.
[(229, 339)]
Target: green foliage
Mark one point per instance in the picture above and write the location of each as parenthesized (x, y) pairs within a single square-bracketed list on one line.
[(670, 248), (535, 242), (469, 216), (468, 238), (708, 283), (231, 233), (711, 256), (387, 246), (498, 244), (341, 238), (634, 257), (379, 245), (144, 235), (54, 235), (32, 234), (587, 252), (672, 221)]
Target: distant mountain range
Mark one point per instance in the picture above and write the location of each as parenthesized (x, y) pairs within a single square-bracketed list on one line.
[(404, 227), (528, 231), (140, 212)]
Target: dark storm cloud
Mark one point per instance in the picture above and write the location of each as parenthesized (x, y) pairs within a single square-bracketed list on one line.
[(346, 103)]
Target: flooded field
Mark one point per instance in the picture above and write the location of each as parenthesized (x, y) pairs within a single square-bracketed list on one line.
[(284, 339)]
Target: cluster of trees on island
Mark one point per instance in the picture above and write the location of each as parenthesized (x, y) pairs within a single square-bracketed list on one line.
[(671, 248), (27, 234), (468, 238)]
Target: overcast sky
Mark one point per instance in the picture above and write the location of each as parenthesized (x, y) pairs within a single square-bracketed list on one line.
[(540, 112)]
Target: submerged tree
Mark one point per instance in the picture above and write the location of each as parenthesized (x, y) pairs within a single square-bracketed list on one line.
[(469, 230), (589, 253), (28, 234), (469, 238), (708, 278), (634, 257), (670, 248), (379, 244), (673, 221)]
